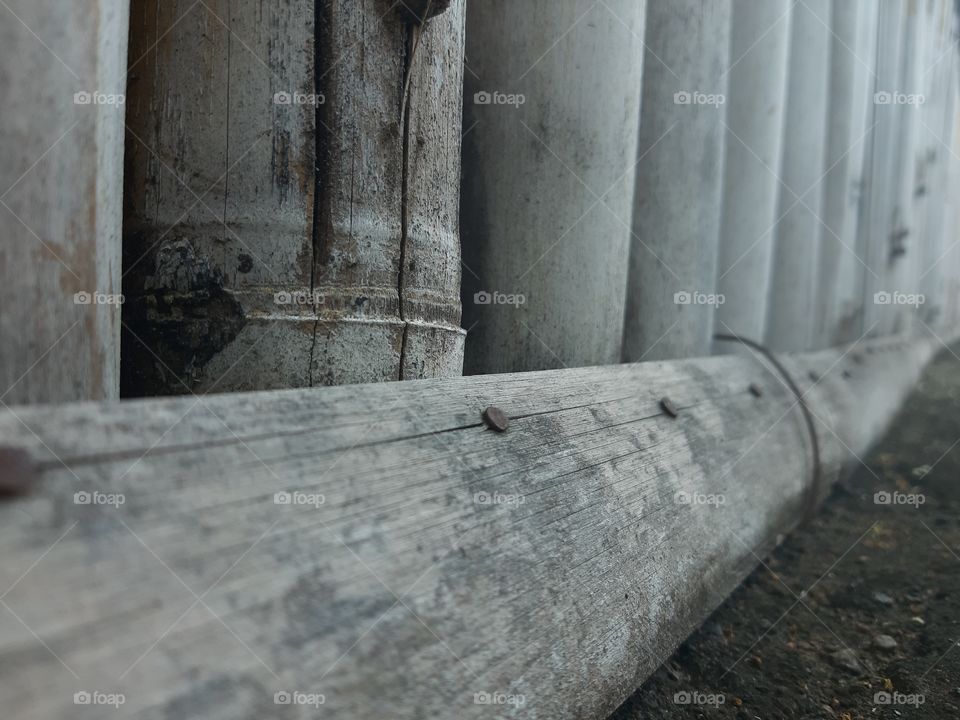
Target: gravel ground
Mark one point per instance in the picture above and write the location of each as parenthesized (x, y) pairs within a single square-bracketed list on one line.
[(857, 614)]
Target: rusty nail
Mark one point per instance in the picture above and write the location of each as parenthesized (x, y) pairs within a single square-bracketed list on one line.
[(496, 419), (17, 471), (668, 407), (756, 390)]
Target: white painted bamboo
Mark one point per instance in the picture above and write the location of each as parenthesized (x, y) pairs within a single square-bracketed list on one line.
[(905, 257), (937, 123), (950, 233), (286, 226), (62, 83), (550, 132), (848, 301), (950, 256), (379, 553), (671, 294), (793, 291), (756, 98), (844, 142), (880, 227)]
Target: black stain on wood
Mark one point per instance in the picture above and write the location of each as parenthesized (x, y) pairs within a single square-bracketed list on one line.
[(176, 319)]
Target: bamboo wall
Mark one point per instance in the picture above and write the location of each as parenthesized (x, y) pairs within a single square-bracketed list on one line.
[(636, 178)]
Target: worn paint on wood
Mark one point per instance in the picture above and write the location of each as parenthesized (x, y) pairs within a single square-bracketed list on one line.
[(266, 224), (62, 85), (379, 545)]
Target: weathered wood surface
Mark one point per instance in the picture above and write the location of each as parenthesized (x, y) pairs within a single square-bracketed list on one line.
[(266, 196), (555, 561), (62, 83)]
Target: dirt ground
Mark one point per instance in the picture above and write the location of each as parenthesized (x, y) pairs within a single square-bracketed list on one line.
[(857, 614)]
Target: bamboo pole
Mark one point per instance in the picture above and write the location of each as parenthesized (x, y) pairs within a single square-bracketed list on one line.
[(936, 182), (62, 85), (793, 292), (374, 551), (905, 255), (848, 304), (292, 195), (671, 296), (881, 231), (844, 142), (550, 131), (759, 50)]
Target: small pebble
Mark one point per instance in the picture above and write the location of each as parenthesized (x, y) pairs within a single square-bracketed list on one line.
[(885, 642), (883, 599), (847, 660)]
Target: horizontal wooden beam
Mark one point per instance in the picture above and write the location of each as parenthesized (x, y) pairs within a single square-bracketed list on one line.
[(380, 549)]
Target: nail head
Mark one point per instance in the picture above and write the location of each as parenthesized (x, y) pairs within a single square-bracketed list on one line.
[(17, 471), (668, 407), (496, 419)]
